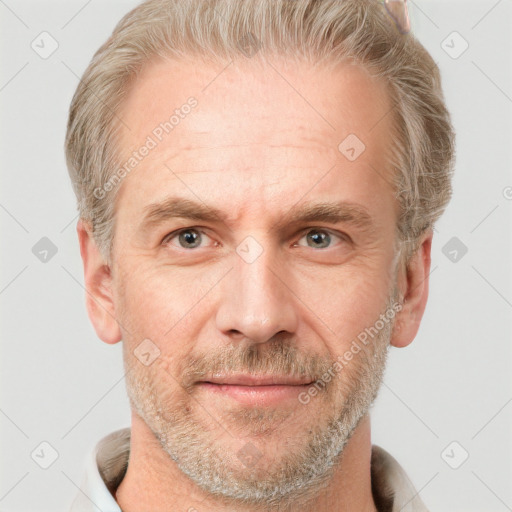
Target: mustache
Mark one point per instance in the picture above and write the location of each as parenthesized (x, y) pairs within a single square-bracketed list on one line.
[(279, 358)]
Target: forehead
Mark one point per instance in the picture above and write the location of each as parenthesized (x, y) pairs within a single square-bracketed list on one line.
[(271, 125), (323, 99)]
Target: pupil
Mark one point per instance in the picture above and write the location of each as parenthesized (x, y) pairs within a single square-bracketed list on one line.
[(189, 238), (320, 238)]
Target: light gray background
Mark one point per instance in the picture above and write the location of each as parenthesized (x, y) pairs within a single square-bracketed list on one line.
[(60, 384)]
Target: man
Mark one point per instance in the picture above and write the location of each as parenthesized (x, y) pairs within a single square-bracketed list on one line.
[(257, 182)]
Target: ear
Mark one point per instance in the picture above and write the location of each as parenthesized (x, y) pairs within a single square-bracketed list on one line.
[(413, 287), (98, 286)]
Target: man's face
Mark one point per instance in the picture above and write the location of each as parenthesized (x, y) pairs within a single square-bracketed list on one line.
[(259, 290)]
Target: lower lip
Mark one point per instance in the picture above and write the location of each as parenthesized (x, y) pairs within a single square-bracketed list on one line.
[(256, 395)]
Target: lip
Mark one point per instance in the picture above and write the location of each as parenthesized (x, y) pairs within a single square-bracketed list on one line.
[(253, 390), (258, 380)]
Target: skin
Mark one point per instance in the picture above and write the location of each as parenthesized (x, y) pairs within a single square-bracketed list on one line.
[(253, 148)]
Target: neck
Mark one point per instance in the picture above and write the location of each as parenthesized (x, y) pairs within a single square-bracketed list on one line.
[(154, 482)]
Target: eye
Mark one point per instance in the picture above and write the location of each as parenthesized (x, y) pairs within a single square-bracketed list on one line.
[(188, 238), (320, 238)]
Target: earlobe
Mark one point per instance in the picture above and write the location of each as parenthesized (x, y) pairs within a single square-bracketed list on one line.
[(98, 285), (413, 281)]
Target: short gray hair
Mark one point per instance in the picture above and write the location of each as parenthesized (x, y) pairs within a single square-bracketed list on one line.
[(326, 30)]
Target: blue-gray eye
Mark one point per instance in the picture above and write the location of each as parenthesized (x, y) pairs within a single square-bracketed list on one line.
[(319, 239), (189, 239)]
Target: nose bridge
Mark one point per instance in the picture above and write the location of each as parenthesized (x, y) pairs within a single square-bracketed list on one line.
[(256, 303)]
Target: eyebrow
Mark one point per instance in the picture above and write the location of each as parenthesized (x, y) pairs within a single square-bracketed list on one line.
[(330, 212)]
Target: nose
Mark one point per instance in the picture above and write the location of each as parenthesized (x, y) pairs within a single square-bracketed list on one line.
[(257, 301)]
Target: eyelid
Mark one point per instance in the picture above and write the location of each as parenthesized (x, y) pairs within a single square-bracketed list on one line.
[(173, 234), (339, 234)]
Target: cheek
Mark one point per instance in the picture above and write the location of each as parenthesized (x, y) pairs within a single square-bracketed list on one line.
[(144, 311), (156, 387), (355, 300), (162, 304)]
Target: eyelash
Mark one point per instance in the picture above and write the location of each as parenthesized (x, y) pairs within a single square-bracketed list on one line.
[(175, 234)]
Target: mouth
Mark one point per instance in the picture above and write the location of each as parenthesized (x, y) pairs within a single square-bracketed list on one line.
[(244, 379), (252, 390)]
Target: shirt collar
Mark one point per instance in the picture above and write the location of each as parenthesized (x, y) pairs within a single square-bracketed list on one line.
[(107, 463)]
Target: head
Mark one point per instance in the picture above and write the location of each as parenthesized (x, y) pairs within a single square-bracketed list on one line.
[(257, 184)]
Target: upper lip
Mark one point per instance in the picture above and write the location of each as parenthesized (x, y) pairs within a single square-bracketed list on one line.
[(258, 380)]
